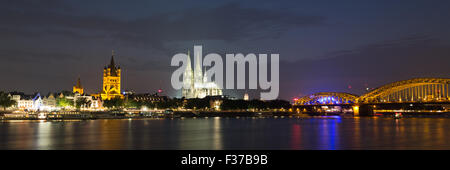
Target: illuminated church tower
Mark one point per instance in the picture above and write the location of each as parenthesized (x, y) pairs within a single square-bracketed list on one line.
[(78, 88), (111, 81)]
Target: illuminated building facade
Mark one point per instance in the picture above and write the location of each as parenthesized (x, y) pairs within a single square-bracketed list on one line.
[(198, 84), (49, 103), (94, 103), (35, 102), (111, 81), (25, 103)]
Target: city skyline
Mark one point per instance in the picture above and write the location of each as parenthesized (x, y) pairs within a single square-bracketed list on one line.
[(224, 84), (350, 47)]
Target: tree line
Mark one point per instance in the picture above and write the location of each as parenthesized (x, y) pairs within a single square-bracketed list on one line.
[(169, 103), (6, 101), (196, 103)]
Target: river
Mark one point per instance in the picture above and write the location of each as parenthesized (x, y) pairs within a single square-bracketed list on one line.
[(323, 133)]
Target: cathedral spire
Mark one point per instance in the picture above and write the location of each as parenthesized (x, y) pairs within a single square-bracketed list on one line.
[(198, 66), (79, 83), (198, 75), (78, 88), (188, 78), (188, 67), (112, 64)]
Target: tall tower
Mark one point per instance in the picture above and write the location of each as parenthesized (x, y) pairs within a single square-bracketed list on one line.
[(78, 88), (198, 75), (111, 81), (188, 80)]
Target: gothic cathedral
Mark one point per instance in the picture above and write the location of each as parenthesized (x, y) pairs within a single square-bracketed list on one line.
[(198, 84)]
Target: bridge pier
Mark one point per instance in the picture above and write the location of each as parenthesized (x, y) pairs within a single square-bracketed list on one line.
[(365, 110), (356, 110)]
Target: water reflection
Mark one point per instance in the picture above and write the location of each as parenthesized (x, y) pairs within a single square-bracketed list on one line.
[(217, 140), (296, 141), (229, 133), (200, 134), (43, 136)]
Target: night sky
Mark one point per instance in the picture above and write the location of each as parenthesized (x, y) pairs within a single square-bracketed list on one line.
[(323, 45)]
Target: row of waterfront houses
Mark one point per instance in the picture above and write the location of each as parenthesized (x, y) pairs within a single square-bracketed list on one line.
[(38, 102)]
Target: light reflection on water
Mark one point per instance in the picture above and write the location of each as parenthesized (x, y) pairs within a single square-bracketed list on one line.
[(229, 133)]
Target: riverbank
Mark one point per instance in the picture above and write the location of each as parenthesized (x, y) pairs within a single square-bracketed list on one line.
[(193, 114), (125, 115)]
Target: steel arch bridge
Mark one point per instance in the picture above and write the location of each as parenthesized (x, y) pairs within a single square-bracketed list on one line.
[(412, 90), (327, 98)]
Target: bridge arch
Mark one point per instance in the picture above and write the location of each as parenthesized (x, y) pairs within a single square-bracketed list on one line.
[(324, 98), (412, 90)]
